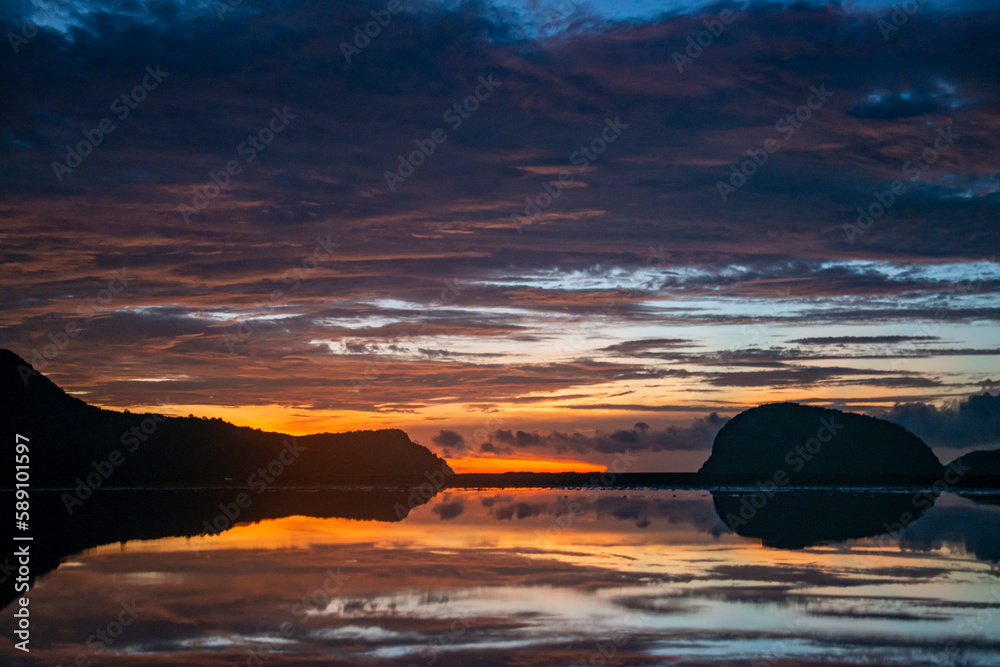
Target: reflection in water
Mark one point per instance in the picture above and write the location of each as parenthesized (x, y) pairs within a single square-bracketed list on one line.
[(797, 519), (524, 577), (107, 517), (961, 527)]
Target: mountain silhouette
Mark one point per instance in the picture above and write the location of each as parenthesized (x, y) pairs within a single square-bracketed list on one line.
[(126, 477), (982, 463), (73, 444), (788, 443)]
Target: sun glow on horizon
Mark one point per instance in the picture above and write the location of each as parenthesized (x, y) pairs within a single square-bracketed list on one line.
[(301, 422), (484, 464)]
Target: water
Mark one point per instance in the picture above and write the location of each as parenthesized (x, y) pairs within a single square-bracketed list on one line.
[(526, 577)]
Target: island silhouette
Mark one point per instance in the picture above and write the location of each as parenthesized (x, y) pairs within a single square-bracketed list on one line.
[(78, 445), (85, 447), (98, 476), (787, 443), (981, 464), (788, 474)]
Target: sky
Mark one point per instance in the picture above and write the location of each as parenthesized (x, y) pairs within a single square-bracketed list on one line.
[(532, 234)]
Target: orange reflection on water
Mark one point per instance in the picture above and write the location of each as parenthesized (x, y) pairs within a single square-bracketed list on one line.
[(531, 522)]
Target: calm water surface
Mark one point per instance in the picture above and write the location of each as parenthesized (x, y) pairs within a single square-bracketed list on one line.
[(537, 577)]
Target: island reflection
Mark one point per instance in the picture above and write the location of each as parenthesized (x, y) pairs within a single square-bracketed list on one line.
[(507, 576)]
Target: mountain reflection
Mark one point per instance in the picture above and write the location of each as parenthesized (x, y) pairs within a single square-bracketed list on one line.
[(516, 576), (787, 520), (798, 519), (972, 530), (107, 517)]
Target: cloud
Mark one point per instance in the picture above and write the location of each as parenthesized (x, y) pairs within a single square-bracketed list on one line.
[(862, 340), (697, 435), (429, 283), (636, 346), (449, 441), (971, 421), (489, 447), (905, 104), (810, 375)]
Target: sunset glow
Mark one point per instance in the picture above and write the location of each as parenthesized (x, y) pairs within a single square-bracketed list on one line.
[(483, 464), (583, 251), (500, 332)]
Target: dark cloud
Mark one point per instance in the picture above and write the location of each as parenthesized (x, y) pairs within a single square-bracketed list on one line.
[(778, 357), (635, 346), (971, 421), (449, 441), (862, 340), (810, 375), (636, 407), (490, 448), (898, 105), (391, 300), (697, 435)]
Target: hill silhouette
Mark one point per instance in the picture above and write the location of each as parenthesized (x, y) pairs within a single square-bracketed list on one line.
[(982, 463), (73, 444), (788, 443)]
